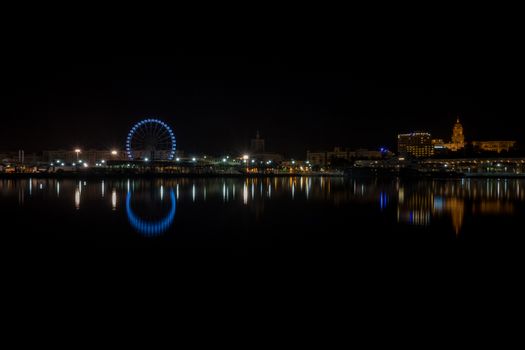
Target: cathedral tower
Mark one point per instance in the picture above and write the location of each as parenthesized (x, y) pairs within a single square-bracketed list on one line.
[(458, 138)]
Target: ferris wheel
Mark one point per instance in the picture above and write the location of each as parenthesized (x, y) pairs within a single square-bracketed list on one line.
[(151, 139)]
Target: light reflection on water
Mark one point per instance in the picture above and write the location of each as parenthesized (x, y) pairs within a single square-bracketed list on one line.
[(150, 204)]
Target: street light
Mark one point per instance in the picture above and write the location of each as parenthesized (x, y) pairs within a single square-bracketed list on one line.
[(114, 152), (77, 151)]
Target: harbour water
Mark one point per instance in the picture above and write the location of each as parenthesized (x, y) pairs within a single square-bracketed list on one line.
[(295, 218)]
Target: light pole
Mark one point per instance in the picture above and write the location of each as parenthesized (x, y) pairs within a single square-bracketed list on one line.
[(77, 151)]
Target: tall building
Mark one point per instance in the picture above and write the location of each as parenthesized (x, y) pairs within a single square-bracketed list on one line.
[(415, 145), (458, 138), (257, 144)]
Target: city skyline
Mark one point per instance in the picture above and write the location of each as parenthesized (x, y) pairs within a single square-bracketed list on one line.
[(217, 103)]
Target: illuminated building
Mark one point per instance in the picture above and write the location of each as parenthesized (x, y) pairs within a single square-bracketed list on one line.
[(458, 139), (89, 156), (324, 158), (93, 156), (416, 145), (494, 146), (438, 145)]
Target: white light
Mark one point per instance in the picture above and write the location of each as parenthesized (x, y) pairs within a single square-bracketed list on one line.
[(51, 164), (224, 160), (73, 164), (193, 159), (103, 161), (85, 165), (178, 159), (146, 159), (62, 164), (114, 152), (246, 157), (77, 150), (293, 161), (253, 160)]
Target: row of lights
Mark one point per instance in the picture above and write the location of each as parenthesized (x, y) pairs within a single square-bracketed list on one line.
[(78, 151), (224, 160)]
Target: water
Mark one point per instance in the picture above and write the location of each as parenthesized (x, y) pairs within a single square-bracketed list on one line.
[(300, 219)]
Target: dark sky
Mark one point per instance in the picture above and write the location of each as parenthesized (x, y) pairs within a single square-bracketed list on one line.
[(306, 96)]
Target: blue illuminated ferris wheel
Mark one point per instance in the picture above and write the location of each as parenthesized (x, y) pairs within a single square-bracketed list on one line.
[(151, 139)]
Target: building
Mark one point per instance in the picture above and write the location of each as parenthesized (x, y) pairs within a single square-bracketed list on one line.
[(325, 158), (257, 144), (94, 156), (415, 145), (438, 145), (88, 156), (20, 157), (494, 146), (458, 138), (258, 151), (458, 142)]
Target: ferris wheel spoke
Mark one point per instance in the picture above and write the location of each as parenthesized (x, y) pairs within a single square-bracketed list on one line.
[(164, 131), (158, 129), (165, 138), (140, 132), (153, 128)]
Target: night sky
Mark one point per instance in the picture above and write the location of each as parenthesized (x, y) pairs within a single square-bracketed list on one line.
[(216, 98)]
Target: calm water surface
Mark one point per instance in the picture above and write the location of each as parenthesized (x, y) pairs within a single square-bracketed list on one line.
[(298, 217)]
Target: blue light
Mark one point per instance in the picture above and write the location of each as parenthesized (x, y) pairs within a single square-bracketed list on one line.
[(439, 203), (151, 228), (383, 200)]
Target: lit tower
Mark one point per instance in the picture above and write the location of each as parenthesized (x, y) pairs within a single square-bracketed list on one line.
[(458, 139)]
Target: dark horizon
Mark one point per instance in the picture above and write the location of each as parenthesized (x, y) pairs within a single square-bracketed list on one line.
[(216, 102)]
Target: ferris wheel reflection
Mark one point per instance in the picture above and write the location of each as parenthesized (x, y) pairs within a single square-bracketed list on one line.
[(151, 228)]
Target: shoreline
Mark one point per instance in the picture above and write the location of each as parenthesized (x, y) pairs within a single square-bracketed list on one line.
[(151, 175), (81, 175)]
